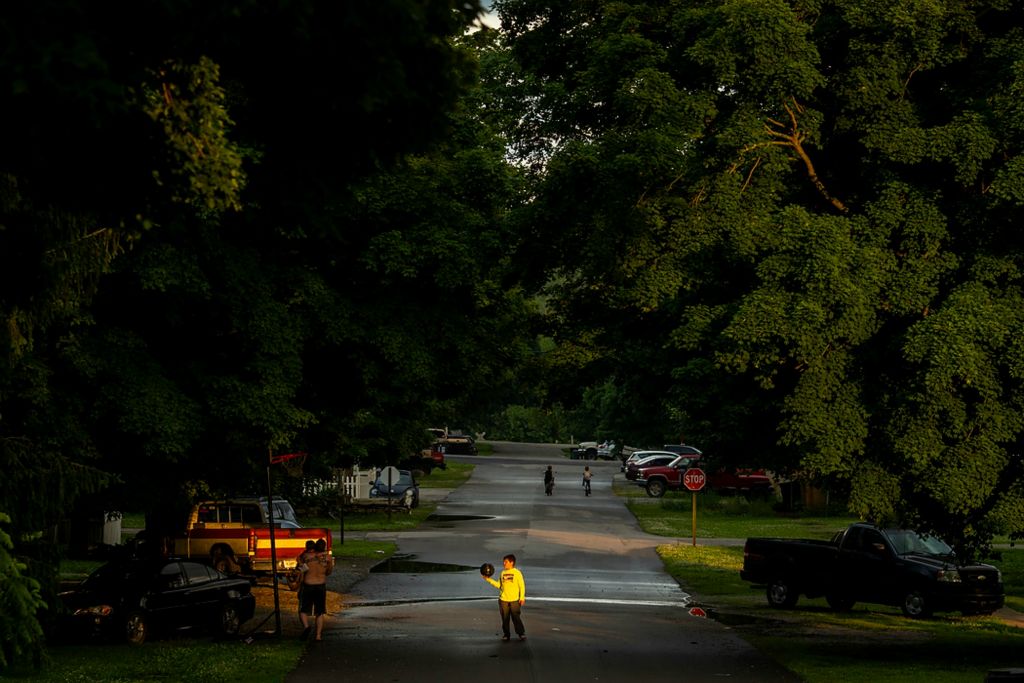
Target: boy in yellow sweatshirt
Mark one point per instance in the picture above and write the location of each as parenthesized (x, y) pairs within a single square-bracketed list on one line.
[(511, 597)]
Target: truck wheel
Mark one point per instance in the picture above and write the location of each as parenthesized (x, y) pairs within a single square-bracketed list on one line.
[(781, 594), (136, 629), (222, 557), (916, 605), (656, 488), (840, 603)]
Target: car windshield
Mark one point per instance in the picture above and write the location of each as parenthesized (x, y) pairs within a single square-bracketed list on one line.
[(907, 541), (283, 512), (106, 576), (404, 479), (116, 575)]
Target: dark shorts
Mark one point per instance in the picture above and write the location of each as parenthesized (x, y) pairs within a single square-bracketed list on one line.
[(314, 599)]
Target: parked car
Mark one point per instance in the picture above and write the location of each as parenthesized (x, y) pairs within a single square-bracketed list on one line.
[(584, 452), (134, 599), (636, 456), (405, 491), (426, 460), (657, 479), (453, 442), (592, 450), (680, 449), (646, 459)]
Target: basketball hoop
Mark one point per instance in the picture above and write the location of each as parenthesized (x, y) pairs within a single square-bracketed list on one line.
[(292, 463)]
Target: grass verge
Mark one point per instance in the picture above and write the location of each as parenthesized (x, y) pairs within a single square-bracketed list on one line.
[(453, 476), (871, 643), (192, 660)]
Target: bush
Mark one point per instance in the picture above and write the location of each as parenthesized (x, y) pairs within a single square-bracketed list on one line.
[(21, 634)]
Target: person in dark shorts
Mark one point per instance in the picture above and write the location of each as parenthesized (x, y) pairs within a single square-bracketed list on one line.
[(319, 565), (300, 569)]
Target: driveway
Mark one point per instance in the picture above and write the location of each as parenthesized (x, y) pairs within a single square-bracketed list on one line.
[(599, 606)]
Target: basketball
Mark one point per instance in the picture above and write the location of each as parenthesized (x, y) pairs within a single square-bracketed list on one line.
[(486, 569)]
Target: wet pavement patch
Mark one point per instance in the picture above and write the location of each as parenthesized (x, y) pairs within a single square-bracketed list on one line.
[(457, 518), (407, 564)]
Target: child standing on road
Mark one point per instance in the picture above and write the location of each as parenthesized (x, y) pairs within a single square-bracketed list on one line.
[(587, 475), (511, 597)]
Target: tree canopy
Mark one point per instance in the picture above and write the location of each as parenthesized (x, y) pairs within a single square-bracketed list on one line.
[(234, 230), (790, 230), (784, 229)]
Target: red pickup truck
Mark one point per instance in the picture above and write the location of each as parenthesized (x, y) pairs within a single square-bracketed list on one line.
[(661, 478)]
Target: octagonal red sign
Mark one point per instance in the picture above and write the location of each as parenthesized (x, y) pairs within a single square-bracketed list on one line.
[(694, 479)]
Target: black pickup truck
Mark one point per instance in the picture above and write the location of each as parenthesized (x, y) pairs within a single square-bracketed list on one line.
[(865, 563)]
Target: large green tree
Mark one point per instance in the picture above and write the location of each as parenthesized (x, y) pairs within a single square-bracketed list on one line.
[(805, 215), (181, 275)]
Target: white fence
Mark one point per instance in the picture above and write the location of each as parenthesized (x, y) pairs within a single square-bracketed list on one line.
[(354, 484)]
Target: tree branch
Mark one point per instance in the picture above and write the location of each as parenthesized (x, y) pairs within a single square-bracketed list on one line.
[(791, 136)]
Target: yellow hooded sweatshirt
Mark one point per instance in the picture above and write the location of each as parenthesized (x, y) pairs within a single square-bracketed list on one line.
[(512, 586)]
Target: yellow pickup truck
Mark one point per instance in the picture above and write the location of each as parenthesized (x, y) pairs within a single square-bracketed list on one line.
[(235, 535)]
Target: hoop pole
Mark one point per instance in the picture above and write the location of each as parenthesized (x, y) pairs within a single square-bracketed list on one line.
[(273, 547)]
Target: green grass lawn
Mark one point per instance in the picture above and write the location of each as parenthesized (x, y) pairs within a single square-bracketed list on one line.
[(184, 659), (870, 644), (728, 517), (453, 476)]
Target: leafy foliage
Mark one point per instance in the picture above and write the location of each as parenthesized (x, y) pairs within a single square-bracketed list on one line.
[(191, 273), (785, 230), (20, 632)]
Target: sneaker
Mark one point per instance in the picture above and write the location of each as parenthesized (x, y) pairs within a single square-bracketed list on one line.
[(522, 636), (504, 637)]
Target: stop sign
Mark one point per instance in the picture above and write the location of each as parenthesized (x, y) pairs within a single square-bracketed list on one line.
[(693, 479)]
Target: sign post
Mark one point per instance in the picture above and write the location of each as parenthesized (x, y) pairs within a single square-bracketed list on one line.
[(694, 480), (391, 475)]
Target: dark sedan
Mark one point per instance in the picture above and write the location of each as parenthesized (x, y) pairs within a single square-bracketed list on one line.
[(134, 599), (405, 491)]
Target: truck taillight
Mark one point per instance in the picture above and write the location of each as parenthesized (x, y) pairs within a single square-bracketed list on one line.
[(252, 540)]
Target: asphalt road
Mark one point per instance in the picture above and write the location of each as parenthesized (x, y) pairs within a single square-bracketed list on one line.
[(599, 606)]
